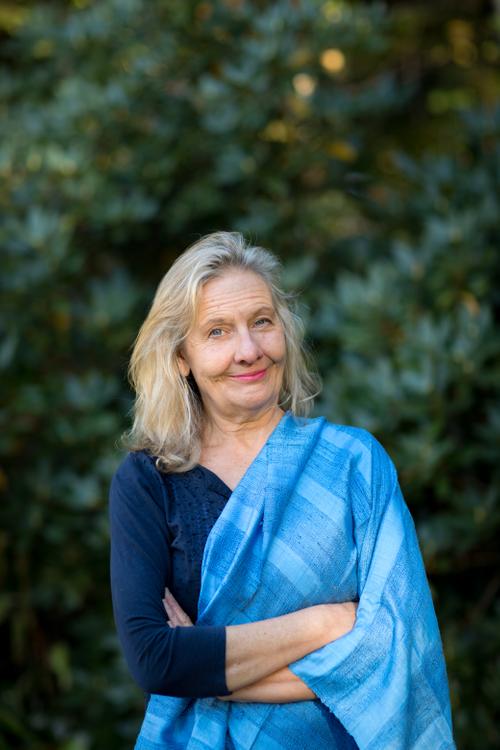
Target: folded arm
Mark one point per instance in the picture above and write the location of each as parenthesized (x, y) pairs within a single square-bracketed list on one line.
[(281, 686)]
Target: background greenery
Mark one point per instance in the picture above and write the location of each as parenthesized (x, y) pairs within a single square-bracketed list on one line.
[(359, 141)]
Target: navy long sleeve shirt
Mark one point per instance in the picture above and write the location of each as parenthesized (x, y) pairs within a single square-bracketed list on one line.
[(159, 524)]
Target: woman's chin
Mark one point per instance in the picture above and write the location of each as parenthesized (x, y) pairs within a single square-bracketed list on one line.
[(256, 400)]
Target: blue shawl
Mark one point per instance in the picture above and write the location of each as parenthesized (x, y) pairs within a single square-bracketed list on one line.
[(317, 518)]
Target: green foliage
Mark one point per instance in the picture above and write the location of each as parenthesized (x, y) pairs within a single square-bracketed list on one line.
[(357, 140)]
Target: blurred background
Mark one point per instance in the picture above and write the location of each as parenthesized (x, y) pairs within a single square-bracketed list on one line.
[(358, 141)]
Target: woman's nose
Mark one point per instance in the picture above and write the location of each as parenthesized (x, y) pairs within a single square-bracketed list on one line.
[(247, 347)]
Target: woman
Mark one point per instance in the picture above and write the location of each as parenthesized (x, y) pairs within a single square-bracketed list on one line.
[(268, 587)]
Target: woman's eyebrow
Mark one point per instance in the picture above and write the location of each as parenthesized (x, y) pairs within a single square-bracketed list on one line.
[(221, 319)]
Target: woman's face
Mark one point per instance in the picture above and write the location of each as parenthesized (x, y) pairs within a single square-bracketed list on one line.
[(236, 349)]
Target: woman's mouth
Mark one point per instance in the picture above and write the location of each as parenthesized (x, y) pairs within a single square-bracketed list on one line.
[(257, 375)]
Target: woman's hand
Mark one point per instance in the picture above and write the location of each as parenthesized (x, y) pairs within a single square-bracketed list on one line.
[(177, 616)]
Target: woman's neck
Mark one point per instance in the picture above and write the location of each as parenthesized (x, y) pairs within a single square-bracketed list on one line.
[(242, 433)]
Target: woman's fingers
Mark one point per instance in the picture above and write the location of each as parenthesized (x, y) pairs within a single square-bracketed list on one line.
[(174, 606), (173, 619), (174, 610)]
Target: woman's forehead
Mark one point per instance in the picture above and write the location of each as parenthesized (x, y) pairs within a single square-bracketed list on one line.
[(233, 291)]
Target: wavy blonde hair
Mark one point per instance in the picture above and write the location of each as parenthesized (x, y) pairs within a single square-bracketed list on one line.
[(168, 411)]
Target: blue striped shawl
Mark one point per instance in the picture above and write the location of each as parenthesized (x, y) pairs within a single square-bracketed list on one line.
[(319, 517)]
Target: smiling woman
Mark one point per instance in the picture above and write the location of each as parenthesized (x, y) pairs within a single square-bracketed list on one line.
[(267, 581)]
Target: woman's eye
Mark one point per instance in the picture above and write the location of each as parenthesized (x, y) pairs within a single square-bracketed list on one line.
[(263, 320), (214, 329)]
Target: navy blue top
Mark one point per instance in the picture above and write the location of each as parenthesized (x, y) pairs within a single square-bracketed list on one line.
[(159, 524)]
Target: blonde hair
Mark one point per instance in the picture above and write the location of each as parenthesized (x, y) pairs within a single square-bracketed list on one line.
[(168, 411)]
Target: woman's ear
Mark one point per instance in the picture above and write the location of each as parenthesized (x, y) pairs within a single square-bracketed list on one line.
[(182, 364)]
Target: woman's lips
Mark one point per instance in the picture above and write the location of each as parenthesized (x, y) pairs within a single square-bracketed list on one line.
[(251, 376)]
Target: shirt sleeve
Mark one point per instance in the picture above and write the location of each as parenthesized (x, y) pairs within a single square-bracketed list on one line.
[(179, 661)]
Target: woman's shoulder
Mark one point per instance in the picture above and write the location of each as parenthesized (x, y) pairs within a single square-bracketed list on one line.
[(137, 498), (360, 444), (136, 474), (348, 435), (136, 462)]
